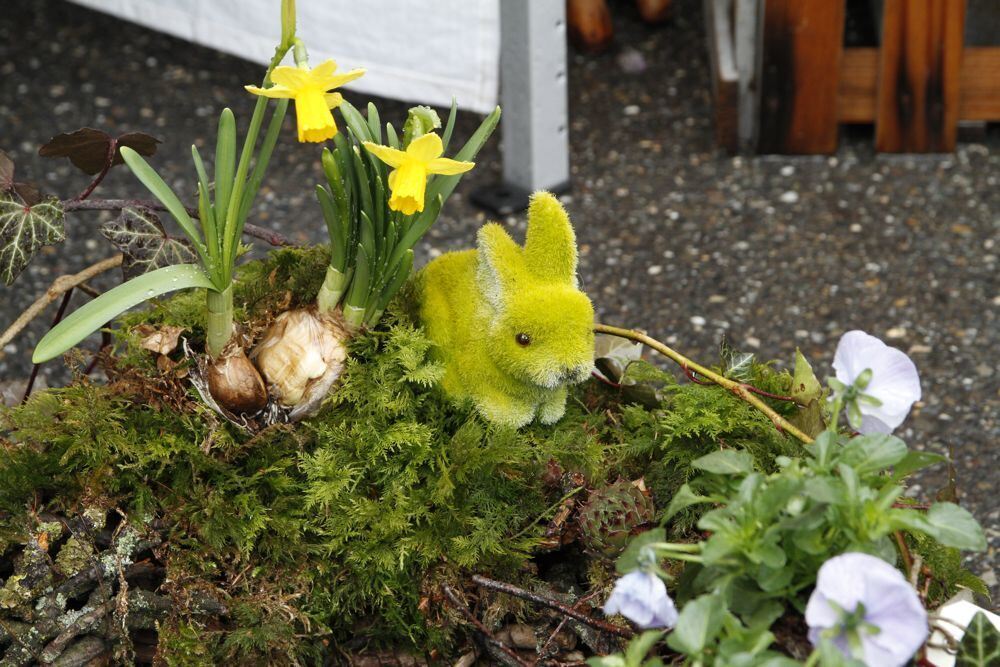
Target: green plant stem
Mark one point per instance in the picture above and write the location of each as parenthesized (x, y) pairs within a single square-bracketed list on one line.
[(737, 388), (230, 235), (331, 290), (219, 326)]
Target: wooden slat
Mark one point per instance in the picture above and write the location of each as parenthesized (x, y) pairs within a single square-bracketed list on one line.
[(803, 42), (979, 84), (858, 85), (917, 106), (978, 95)]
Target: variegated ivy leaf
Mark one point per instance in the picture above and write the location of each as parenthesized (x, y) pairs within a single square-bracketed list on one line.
[(980, 645), (138, 234), (736, 365), (24, 229)]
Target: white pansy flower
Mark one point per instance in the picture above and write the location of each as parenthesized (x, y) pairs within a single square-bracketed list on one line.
[(642, 597), (867, 609), (892, 387)]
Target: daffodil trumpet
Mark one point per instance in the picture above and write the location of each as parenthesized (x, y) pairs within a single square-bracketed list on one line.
[(374, 217)]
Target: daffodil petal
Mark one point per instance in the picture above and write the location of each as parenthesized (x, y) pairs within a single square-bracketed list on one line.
[(333, 100), (273, 91), (324, 69), (448, 167), (391, 156), (425, 148), (291, 77), (338, 80)]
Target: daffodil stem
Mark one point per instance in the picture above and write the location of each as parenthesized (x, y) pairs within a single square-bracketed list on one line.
[(331, 290), (219, 326), (230, 225), (738, 388)]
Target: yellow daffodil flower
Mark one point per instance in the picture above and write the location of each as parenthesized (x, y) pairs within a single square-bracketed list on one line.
[(408, 179), (310, 88)]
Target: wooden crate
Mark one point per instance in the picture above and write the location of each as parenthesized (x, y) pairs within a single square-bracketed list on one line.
[(792, 83)]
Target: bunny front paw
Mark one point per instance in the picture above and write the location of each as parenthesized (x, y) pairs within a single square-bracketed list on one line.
[(553, 407), (502, 409)]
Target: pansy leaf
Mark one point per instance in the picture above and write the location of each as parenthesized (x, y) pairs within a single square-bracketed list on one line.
[(684, 498), (949, 524), (698, 624), (88, 148), (725, 462), (629, 560), (873, 452), (954, 526), (24, 229), (914, 461), (980, 645), (138, 234)]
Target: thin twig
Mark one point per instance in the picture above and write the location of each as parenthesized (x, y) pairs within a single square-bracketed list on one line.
[(511, 589), (487, 635), (737, 388), (34, 368), (266, 235), (59, 286)]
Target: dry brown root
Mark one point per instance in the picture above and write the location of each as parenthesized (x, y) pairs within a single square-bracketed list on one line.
[(301, 356), (234, 382)]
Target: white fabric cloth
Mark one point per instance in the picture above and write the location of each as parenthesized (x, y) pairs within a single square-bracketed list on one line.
[(415, 50)]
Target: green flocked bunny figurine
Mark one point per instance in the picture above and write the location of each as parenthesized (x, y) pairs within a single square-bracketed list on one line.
[(510, 323)]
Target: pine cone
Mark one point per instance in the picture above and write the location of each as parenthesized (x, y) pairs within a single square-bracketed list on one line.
[(612, 515)]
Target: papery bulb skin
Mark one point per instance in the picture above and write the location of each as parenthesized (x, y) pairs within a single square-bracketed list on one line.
[(301, 356), (235, 383)]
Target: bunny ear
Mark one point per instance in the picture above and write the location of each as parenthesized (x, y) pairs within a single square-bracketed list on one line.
[(550, 246), (499, 257)]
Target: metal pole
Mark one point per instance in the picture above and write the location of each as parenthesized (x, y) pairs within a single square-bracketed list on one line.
[(533, 95)]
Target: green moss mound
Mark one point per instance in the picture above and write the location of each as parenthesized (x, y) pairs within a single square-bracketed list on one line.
[(283, 545)]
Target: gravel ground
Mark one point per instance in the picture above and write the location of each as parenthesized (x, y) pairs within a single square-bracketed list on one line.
[(774, 252)]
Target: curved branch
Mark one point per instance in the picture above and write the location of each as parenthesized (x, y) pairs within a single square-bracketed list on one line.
[(60, 286), (737, 388)]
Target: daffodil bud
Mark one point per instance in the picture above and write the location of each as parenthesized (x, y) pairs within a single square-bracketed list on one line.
[(419, 121)]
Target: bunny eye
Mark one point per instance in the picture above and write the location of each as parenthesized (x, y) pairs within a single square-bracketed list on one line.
[(523, 339)]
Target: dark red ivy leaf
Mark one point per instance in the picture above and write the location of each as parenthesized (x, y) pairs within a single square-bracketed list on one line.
[(88, 148), (140, 142), (28, 193), (6, 172)]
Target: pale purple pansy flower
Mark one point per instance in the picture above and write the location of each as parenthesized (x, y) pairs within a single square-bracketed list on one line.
[(894, 380), (642, 598), (867, 609)]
